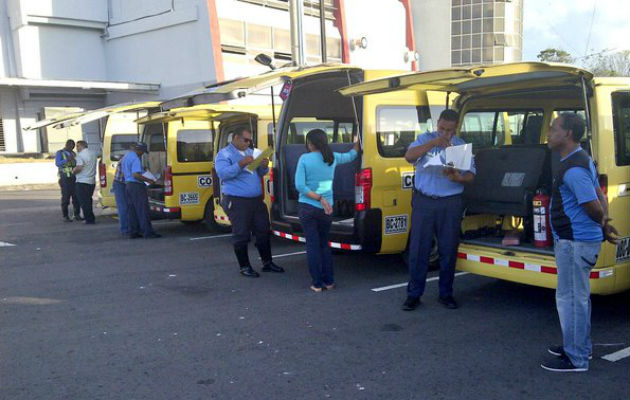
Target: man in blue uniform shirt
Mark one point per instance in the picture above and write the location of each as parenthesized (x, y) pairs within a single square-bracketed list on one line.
[(137, 197), (437, 207), (579, 222), (242, 200)]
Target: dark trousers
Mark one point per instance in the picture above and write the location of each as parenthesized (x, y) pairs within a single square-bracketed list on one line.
[(138, 211), (68, 193), (84, 194), (316, 226), (247, 216), (120, 194), (441, 217)]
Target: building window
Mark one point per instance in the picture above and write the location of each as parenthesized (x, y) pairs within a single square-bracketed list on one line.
[(3, 146), (232, 32), (258, 36)]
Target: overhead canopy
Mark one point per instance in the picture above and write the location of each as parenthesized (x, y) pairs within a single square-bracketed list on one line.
[(93, 115), (514, 76), (239, 88)]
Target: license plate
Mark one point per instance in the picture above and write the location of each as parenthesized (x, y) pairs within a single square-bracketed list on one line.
[(396, 224), (623, 249)]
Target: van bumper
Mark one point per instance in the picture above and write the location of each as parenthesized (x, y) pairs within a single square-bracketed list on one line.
[(364, 234), (537, 271), (160, 211)]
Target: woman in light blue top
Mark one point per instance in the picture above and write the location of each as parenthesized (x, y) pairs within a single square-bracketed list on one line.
[(314, 182)]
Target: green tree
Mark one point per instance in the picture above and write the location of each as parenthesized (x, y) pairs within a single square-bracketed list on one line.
[(611, 64), (555, 55)]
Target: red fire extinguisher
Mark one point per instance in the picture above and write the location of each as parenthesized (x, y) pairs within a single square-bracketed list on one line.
[(542, 229)]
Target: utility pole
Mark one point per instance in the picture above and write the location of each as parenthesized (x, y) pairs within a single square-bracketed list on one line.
[(322, 25), (296, 11)]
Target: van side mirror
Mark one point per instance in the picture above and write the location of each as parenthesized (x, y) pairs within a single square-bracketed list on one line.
[(264, 59)]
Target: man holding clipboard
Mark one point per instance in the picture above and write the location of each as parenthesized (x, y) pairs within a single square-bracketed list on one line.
[(437, 207), (242, 199)]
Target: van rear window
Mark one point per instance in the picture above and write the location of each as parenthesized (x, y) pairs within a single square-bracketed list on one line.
[(194, 145), (120, 144), (621, 124), (501, 127), (337, 131), (398, 126)]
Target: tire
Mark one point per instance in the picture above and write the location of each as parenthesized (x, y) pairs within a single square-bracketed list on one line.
[(208, 219), (434, 257)]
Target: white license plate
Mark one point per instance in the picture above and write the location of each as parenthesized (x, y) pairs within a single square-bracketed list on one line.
[(623, 249), (396, 224)]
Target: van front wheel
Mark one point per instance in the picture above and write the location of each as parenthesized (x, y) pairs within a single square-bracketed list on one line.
[(209, 222)]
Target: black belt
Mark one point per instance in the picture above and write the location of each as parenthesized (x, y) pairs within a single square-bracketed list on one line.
[(243, 198), (434, 197)]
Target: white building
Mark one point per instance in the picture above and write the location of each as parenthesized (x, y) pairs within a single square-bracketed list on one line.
[(59, 54)]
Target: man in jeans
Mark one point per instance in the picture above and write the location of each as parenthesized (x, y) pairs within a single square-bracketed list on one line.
[(579, 221), (85, 173)]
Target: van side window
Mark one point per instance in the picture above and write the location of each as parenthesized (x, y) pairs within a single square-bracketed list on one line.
[(194, 145), (495, 128), (398, 126), (156, 143), (621, 126), (120, 144)]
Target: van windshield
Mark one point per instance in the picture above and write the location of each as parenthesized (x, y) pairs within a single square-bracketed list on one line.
[(120, 144), (495, 128), (398, 126)]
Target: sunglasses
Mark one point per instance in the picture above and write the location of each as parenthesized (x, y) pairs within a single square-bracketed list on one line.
[(246, 140)]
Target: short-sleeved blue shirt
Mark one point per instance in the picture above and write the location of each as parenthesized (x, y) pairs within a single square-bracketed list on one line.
[(131, 164), (579, 187), (432, 181), (236, 181)]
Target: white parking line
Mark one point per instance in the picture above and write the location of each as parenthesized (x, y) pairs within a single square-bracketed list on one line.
[(209, 237), (6, 244), (617, 355), (399, 285), (288, 254)]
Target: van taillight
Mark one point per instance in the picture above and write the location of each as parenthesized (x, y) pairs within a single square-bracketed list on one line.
[(270, 186), (102, 173), (603, 184), (362, 189), (168, 181)]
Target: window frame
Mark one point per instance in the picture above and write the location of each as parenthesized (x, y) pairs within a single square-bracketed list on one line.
[(620, 137)]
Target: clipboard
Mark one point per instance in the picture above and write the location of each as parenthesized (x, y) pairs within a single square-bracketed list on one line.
[(251, 167)]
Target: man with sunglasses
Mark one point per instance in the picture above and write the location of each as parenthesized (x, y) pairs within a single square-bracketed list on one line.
[(242, 200)]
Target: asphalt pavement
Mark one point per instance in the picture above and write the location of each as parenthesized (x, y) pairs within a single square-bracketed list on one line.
[(86, 314)]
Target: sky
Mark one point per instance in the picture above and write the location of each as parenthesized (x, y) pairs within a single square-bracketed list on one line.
[(580, 27)]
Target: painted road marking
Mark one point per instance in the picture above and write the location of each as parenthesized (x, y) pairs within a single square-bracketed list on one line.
[(210, 237), (399, 285), (6, 244), (617, 355), (287, 255)]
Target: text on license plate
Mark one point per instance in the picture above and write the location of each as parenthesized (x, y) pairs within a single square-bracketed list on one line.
[(396, 224)]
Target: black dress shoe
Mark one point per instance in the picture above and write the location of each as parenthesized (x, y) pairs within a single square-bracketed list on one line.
[(133, 236), (411, 303), (78, 218), (448, 302), (153, 235), (66, 219), (271, 267), (249, 272)]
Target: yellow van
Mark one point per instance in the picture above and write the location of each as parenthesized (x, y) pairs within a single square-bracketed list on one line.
[(182, 143), (371, 194), (506, 113)]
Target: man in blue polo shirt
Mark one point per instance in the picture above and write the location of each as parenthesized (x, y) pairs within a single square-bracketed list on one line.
[(437, 208), (242, 200), (137, 197), (579, 221)]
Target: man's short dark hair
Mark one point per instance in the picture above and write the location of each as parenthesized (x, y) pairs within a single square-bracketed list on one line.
[(449, 115), (239, 131), (574, 123), (83, 143), (69, 142)]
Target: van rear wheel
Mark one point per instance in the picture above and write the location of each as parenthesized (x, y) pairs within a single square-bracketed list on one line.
[(434, 257), (208, 219)]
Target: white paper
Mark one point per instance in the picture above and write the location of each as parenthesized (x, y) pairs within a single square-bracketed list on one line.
[(459, 157), (149, 175)]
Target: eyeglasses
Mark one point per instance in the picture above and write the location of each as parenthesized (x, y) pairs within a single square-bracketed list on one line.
[(246, 140)]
